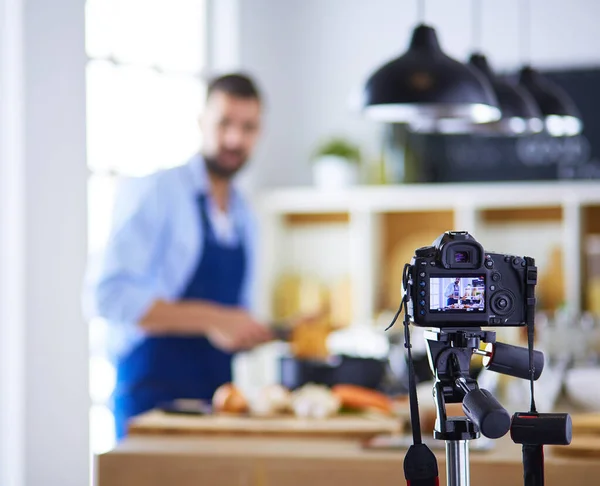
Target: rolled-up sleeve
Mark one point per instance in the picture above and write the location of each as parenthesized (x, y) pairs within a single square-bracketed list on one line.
[(122, 284)]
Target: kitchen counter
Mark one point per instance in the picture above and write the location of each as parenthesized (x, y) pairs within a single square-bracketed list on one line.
[(159, 460)]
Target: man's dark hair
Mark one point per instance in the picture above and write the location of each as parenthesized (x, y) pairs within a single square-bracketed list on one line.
[(236, 84)]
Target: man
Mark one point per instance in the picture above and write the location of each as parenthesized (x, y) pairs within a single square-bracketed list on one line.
[(452, 292), (174, 280)]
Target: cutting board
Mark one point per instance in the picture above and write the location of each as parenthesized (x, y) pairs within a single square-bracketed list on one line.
[(343, 426), (581, 446), (586, 437), (586, 424)]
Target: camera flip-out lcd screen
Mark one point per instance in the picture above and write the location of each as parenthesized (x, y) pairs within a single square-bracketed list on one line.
[(462, 294)]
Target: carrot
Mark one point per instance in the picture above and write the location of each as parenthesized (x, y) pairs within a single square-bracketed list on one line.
[(358, 397)]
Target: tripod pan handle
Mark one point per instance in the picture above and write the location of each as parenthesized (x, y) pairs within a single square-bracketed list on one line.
[(487, 413)]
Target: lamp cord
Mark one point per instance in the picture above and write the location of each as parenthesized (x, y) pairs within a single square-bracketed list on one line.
[(525, 31), (476, 25), (421, 11)]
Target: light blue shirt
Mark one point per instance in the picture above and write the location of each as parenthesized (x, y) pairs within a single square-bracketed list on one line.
[(155, 245)]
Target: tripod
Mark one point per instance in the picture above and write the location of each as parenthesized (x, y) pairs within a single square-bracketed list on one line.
[(449, 352)]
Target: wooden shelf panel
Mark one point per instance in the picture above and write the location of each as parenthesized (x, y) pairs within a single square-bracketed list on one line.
[(591, 219), (513, 215), (589, 289), (402, 234), (297, 219)]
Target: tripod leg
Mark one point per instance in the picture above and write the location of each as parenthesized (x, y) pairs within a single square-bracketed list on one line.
[(457, 463)]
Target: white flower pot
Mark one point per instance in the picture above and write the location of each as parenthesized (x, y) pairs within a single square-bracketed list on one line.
[(333, 172)]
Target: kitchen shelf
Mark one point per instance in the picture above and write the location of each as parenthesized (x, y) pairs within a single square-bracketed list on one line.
[(380, 219), (423, 197)]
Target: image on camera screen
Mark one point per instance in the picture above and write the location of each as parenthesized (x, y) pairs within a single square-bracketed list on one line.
[(464, 294)]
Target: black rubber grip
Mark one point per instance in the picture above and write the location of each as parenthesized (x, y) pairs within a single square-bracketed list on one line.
[(513, 361), (541, 428), (533, 465), (487, 413), (420, 466)]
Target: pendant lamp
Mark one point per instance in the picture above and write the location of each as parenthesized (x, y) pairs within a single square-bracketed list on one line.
[(520, 113), (425, 84), (560, 114)]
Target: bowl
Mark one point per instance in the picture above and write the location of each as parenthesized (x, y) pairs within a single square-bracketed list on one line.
[(365, 372), (582, 386)]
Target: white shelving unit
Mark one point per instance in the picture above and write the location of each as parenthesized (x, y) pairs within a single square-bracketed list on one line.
[(559, 213)]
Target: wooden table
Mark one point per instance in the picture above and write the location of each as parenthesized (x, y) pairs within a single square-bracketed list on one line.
[(154, 460)]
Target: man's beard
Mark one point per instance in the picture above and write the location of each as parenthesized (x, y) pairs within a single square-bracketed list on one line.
[(217, 169)]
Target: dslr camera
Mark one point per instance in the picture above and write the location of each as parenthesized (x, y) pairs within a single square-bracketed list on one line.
[(456, 283)]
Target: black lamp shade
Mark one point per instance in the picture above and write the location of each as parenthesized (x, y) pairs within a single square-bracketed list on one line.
[(560, 113), (513, 100), (425, 83), (520, 113)]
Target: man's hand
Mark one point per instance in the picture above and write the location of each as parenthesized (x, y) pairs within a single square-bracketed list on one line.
[(236, 330), (230, 329)]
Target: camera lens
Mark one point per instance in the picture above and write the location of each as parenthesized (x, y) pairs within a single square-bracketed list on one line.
[(462, 257)]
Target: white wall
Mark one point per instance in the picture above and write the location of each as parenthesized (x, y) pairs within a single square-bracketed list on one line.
[(56, 214), (312, 54), (12, 256), (47, 338)]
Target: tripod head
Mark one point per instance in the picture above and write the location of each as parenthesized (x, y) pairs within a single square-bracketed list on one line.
[(450, 351)]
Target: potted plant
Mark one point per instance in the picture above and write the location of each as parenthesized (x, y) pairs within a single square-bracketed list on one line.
[(336, 163)]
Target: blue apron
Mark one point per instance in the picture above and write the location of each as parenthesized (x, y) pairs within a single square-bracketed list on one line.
[(161, 369)]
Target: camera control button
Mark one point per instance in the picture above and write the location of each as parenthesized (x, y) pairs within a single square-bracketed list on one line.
[(492, 287), (422, 283), (422, 312), (489, 263), (422, 302), (422, 293), (422, 274), (425, 251), (502, 303), (496, 277), (507, 259), (517, 261)]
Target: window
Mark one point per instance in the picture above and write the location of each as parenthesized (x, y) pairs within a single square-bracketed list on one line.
[(144, 94)]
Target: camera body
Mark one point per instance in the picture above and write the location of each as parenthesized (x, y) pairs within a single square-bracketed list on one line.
[(456, 283)]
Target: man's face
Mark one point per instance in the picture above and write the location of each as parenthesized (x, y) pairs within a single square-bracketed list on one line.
[(230, 126), (457, 281)]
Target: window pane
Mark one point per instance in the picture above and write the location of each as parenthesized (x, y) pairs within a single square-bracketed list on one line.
[(140, 120), (102, 379), (165, 33), (102, 429), (98, 26)]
